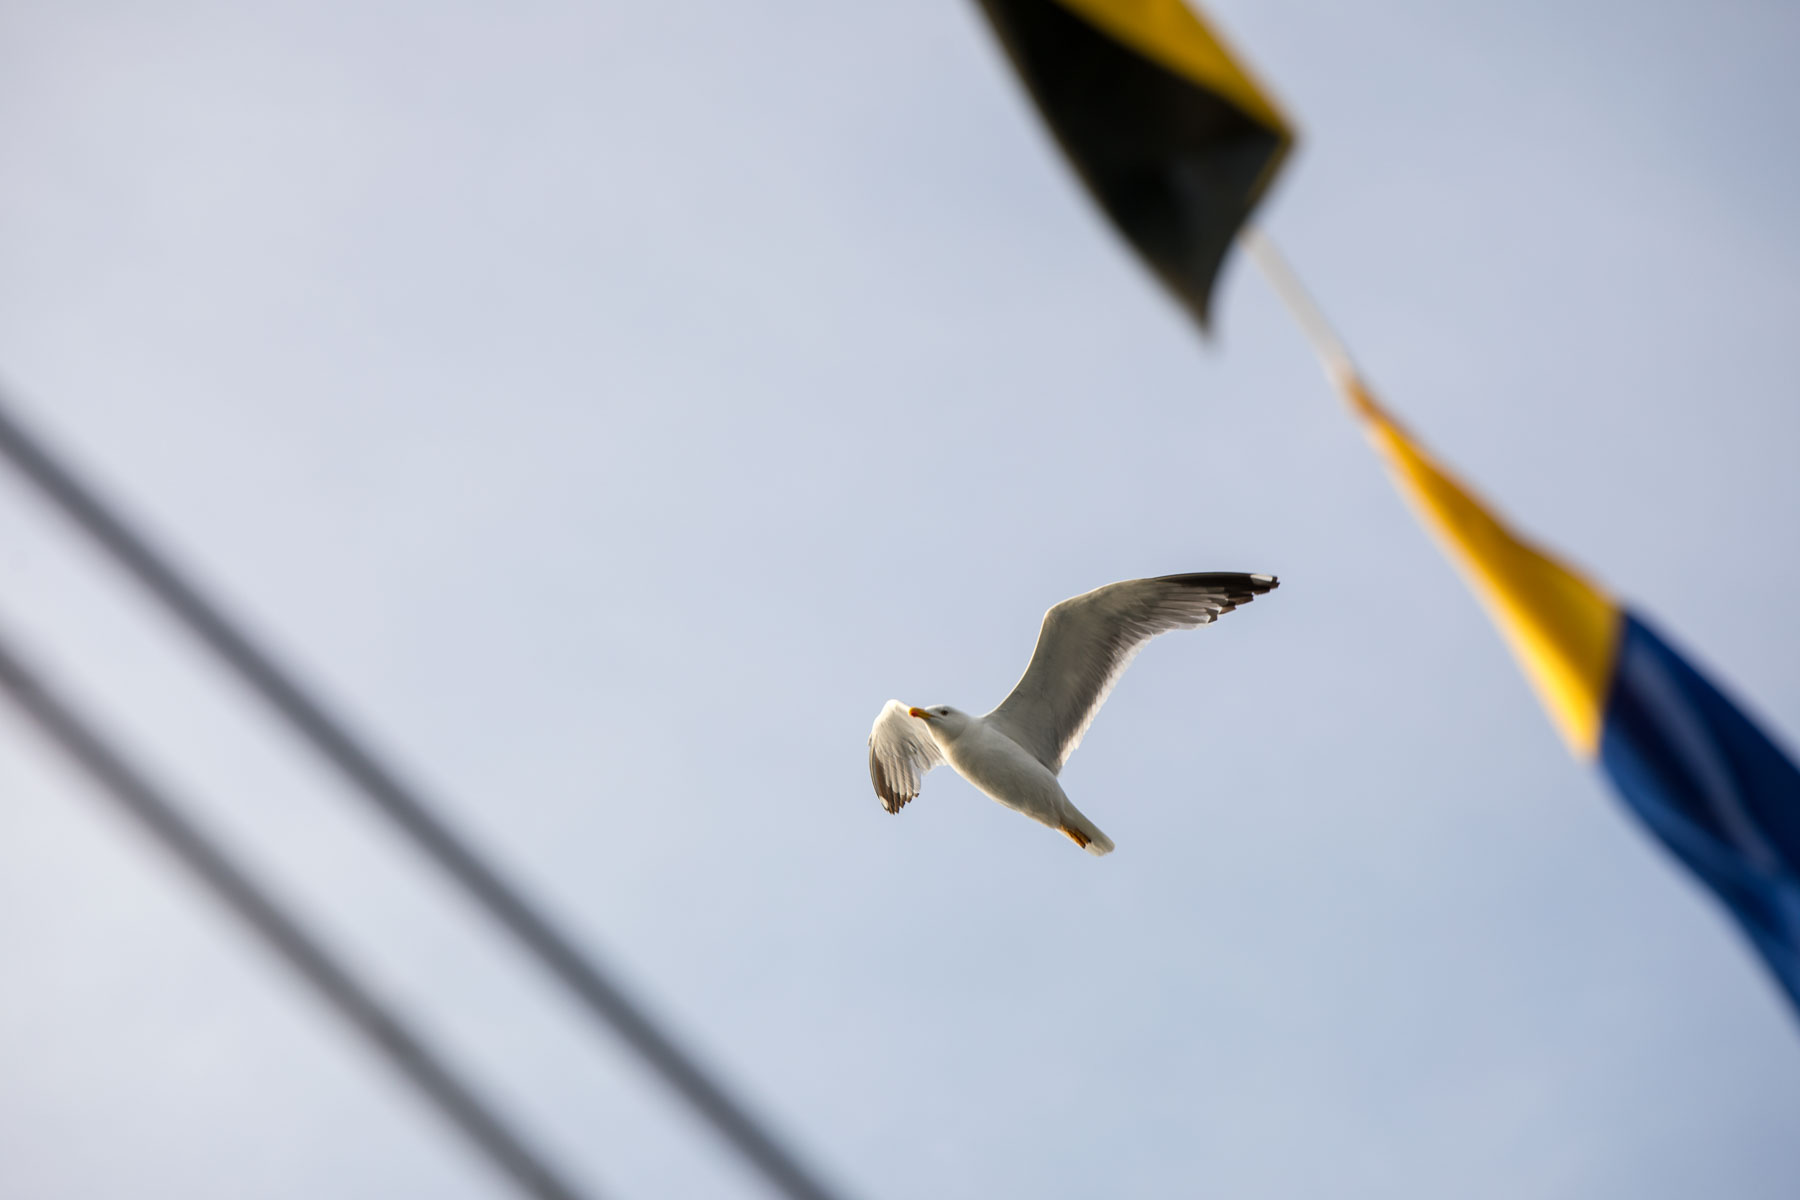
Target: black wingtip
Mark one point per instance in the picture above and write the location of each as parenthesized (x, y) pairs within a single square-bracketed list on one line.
[(1233, 587), (1225, 581)]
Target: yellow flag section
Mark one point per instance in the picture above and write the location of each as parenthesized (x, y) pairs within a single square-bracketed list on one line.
[(1562, 628)]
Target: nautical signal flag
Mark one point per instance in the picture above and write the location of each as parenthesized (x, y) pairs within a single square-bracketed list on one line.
[(1171, 135), (1703, 776)]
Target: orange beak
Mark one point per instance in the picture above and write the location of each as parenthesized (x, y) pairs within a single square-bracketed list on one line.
[(919, 713)]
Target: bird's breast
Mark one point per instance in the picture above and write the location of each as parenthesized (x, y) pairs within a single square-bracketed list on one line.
[(1003, 769)]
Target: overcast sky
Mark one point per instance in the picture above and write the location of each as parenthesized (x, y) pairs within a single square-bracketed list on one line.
[(613, 405)]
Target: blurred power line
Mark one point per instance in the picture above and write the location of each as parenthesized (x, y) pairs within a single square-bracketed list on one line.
[(407, 808), (234, 887)]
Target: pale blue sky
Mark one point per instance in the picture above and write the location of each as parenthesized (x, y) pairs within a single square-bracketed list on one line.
[(613, 405)]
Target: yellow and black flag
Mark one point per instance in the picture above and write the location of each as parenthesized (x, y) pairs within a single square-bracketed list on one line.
[(1170, 134)]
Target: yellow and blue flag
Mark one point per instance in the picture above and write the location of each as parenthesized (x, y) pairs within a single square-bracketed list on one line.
[(1686, 759)]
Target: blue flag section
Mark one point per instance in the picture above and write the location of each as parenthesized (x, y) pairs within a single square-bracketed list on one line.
[(1713, 786)]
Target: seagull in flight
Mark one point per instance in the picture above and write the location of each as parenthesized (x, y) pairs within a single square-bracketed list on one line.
[(1015, 753)]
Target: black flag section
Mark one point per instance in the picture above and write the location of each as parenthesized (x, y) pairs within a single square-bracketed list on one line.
[(1176, 142)]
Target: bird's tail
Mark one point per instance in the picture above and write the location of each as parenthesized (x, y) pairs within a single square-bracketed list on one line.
[(1085, 833)]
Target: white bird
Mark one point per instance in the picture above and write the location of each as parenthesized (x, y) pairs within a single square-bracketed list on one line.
[(1015, 753)]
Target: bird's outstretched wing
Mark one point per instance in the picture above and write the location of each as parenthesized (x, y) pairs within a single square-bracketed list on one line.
[(1087, 642), (900, 752)]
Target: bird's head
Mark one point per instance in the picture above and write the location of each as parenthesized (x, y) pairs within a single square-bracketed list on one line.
[(945, 723)]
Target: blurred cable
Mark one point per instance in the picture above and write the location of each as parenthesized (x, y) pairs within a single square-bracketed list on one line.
[(407, 808), (234, 887)]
